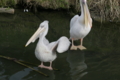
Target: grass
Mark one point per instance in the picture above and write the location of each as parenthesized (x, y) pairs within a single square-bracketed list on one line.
[(4, 3), (54, 4), (106, 10)]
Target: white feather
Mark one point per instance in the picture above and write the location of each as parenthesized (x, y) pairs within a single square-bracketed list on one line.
[(45, 51), (63, 44)]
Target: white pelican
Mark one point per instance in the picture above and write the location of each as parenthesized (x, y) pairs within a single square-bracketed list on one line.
[(45, 51), (80, 26)]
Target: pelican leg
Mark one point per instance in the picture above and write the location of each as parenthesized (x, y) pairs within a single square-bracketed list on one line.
[(41, 65), (73, 47), (81, 47), (50, 67), (46, 67)]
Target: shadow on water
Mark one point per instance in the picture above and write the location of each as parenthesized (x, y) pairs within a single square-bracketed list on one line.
[(99, 62)]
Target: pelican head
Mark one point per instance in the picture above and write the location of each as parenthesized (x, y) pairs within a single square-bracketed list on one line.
[(43, 26), (83, 1), (44, 23)]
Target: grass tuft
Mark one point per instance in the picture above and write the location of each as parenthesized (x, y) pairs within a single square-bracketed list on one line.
[(108, 10)]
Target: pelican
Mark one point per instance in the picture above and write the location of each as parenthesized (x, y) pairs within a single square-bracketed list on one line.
[(45, 51), (80, 26)]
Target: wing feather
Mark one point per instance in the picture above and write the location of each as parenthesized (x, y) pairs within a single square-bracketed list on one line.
[(63, 44)]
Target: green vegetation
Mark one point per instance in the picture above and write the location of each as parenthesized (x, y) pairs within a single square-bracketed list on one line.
[(4, 3), (104, 10), (54, 4)]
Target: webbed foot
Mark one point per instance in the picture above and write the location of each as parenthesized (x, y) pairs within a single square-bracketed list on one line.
[(73, 47), (81, 47), (46, 67)]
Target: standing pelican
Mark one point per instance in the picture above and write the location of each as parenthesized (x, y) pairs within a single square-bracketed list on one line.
[(45, 51), (80, 26)]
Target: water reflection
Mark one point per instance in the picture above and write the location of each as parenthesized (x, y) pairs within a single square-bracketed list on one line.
[(102, 47), (28, 74), (77, 64), (2, 72), (20, 74)]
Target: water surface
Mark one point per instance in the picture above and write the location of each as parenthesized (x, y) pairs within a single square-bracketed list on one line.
[(99, 62)]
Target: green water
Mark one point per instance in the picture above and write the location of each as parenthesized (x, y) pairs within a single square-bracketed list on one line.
[(99, 62)]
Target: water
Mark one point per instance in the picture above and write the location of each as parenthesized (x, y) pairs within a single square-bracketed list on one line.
[(99, 62)]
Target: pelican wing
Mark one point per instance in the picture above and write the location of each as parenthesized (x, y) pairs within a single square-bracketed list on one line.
[(61, 45), (52, 45)]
